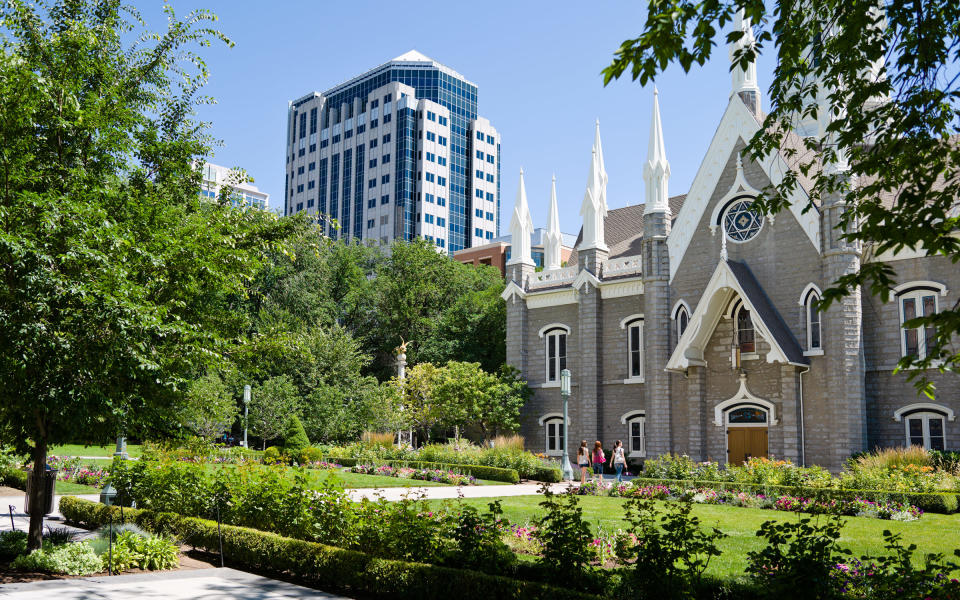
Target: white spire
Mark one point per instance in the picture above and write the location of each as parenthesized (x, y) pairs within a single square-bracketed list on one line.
[(552, 241), (521, 226), (656, 171), (743, 80), (594, 207)]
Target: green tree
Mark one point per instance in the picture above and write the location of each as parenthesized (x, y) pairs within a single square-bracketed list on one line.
[(295, 438), (473, 329), (880, 81), (211, 407), (412, 289), (117, 282), (417, 392), (271, 406)]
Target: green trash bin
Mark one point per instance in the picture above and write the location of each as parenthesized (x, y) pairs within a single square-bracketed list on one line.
[(49, 481)]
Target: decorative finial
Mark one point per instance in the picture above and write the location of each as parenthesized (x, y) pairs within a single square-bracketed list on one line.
[(739, 162), (723, 247)]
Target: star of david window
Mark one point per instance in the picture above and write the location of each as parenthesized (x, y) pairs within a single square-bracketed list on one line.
[(740, 222)]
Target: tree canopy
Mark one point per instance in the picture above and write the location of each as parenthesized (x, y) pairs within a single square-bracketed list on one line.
[(879, 82)]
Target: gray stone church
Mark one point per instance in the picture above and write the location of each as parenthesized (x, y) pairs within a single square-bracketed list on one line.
[(688, 325)]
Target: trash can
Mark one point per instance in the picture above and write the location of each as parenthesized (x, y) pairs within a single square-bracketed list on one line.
[(49, 482)]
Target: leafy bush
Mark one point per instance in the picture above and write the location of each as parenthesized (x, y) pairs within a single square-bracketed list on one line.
[(68, 559), (799, 560), (479, 544), (59, 536), (12, 544), (336, 568), (295, 439), (477, 471), (309, 455), (14, 477), (669, 555), (564, 536)]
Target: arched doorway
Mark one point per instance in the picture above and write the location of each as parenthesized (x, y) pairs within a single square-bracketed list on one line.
[(746, 426)]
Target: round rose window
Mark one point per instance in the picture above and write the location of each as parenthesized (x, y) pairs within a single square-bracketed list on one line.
[(741, 222)]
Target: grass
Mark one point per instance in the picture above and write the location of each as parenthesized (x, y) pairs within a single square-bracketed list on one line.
[(932, 533), (68, 487), (80, 450)]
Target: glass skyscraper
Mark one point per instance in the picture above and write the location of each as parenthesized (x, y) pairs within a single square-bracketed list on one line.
[(396, 153)]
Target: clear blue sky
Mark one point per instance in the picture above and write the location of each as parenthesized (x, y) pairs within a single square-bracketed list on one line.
[(537, 66)]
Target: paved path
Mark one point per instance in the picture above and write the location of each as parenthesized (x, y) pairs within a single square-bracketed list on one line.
[(208, 584), (444, 492)]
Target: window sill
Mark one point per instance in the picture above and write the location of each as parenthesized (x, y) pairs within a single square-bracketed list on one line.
[(549, 384), (814, 352), (637, 455), (633, 380), (749, 356)]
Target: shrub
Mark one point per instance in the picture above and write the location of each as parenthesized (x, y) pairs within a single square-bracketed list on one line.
[(11, 476), (479, 544), (68, 559), (564, 537), (273, 456), (335, 568), (670, 554), (799, 559), (295, 439), (477, 471), (309, 455), (12, 544)]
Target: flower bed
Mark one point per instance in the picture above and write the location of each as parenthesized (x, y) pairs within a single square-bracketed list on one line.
[(437, 475), (858, 507)]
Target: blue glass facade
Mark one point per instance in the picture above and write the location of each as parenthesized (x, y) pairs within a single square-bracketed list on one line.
[(457, 95)]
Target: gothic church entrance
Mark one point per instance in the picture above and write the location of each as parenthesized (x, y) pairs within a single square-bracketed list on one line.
[(744, 443)]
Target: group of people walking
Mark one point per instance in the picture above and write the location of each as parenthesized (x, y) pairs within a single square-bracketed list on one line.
[(597, 458)]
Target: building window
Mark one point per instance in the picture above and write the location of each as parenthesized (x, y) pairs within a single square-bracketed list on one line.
[(556, 348), (636, 445), (635, 349), (681, 316), (554, 436), (812, 313), (925, 429), (744, 335), (740, 222), (917, 341)]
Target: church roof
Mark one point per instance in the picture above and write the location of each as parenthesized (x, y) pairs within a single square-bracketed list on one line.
[(623, 229), (765, 311)]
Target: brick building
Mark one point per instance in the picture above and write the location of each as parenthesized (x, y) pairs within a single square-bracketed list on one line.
[(497, 252), (689, 326)]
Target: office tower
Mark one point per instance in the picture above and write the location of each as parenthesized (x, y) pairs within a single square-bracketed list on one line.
[(396, 153), (242, 193)]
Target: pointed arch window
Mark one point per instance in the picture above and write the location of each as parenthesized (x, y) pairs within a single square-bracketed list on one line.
[(683, 319), (745, 334), (812, 313)]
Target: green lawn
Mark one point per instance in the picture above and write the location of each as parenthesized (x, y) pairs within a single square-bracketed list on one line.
[(932, 533), (81, 450), (68, 487)]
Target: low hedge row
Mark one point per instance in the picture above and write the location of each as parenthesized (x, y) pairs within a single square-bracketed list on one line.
[(478, 471), (12, 477), (326, 566), (943, 503)]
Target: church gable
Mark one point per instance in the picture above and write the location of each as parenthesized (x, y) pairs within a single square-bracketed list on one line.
[(715, 178)]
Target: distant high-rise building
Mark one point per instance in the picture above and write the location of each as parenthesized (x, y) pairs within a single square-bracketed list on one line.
[(242, 193), (396, 153)]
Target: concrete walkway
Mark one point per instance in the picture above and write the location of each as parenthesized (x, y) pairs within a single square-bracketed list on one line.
[(209, 584)]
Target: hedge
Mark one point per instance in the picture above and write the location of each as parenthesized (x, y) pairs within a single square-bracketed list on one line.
[(937, 502), (326, 566), (478, 471), (13, 477)]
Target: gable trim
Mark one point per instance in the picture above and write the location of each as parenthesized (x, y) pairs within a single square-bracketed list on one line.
[(723, 288), (738, 123)]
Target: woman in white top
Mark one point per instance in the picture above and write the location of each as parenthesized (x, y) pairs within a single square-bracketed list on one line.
[(617, 460), (583, 461)]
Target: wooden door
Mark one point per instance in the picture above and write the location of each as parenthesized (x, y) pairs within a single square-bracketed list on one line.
[(744, 442)]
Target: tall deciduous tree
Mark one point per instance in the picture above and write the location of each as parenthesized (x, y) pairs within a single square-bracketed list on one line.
[(211, 407), (879, 82), (272, 404), (116, 282)]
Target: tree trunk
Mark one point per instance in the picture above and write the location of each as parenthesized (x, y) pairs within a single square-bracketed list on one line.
[(37, 495)]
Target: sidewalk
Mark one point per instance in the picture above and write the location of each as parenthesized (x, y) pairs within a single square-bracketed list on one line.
[(171, 585)]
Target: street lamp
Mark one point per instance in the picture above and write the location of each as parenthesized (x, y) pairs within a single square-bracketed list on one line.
[(246, 409), (565, 394)]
